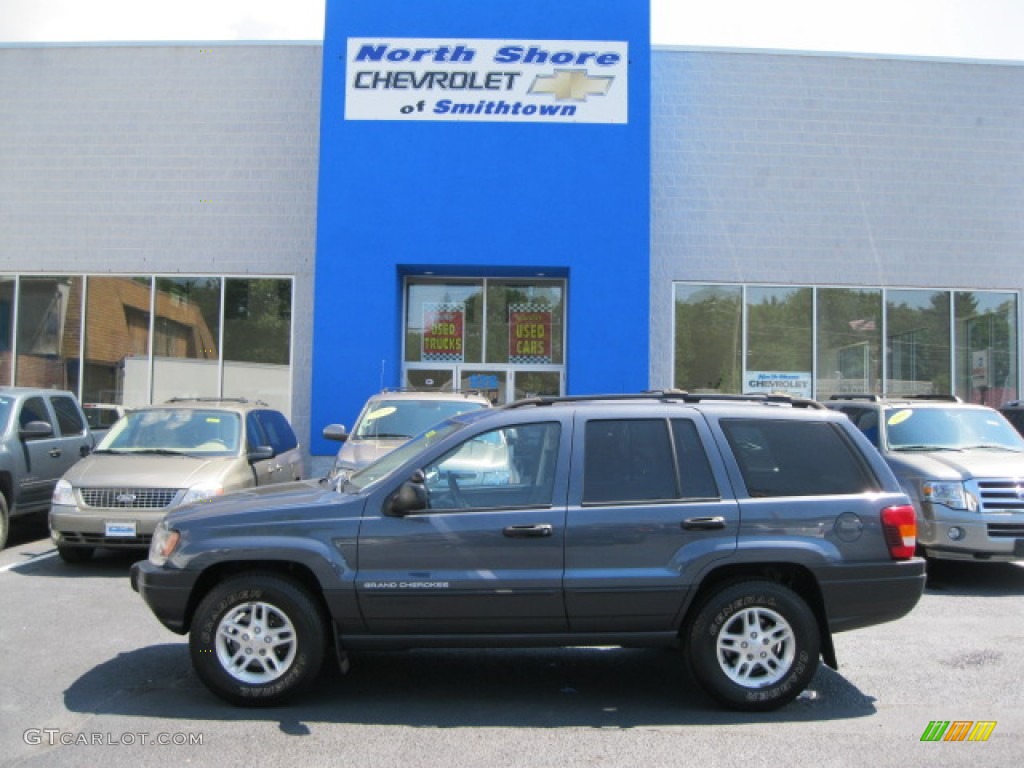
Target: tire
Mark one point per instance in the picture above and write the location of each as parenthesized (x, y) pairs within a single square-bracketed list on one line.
[(234, 615), (734, 659), (74, 555), (5, 521)]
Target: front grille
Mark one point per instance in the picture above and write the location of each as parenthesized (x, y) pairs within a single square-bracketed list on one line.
[(1006, 530), (99, 540), (1005, 495), (128, 498)]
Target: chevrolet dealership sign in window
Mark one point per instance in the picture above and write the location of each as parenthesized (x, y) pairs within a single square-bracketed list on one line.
[(560, 81)]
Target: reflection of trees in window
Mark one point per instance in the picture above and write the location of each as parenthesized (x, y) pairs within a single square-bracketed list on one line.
[(986, 343), (708, 327), (779, 329), (849, 338), (257, 320), (918, 342)]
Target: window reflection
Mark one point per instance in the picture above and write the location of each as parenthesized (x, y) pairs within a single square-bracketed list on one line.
[(986, 344), (708, 338), (257, 340), (186, 330), (48, 332), (917, 343), (849, 326), (117, 340), (6, 330)]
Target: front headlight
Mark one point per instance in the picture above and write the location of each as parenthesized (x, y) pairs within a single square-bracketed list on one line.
[(64, 493), (952, 495), (202, 492), (164, 542)]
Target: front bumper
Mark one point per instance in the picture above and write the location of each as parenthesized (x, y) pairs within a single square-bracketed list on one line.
[(115, 528), (950, 535), (166, 592)]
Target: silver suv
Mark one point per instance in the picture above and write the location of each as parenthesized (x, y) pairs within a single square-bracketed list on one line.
[(42, 433), (961, 464), (159, 457), (390, 418)]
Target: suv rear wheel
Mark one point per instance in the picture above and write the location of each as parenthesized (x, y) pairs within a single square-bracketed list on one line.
[(754, 645), (257, 639)]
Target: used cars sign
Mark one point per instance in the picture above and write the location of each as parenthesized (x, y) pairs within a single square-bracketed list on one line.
[(562, 81)]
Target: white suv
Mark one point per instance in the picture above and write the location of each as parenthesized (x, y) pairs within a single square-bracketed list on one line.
[(392, 417)]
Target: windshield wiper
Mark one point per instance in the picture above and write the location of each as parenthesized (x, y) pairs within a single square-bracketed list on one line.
[(925, 448), (385, 436), (158, 452), (992, 447)]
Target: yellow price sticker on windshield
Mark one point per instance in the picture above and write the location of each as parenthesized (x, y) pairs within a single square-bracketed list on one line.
[(899, 417), (380, 413)]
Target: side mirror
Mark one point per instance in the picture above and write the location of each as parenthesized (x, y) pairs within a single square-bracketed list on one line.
[(261, 453), (411, 496), (36, 429), (336, 432)]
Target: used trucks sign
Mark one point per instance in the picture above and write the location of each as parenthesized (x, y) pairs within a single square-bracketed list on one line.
[(556, 81)]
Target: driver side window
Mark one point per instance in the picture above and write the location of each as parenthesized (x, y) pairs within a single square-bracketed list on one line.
[(505, 468)]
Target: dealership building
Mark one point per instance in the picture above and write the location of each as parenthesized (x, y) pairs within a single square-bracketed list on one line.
[(521, 199)]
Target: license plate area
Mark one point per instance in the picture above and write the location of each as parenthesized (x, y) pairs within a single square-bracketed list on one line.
[(121, 529)]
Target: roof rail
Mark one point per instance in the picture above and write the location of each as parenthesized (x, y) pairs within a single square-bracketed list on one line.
[(670, 396), (240, 400), (875, 398)]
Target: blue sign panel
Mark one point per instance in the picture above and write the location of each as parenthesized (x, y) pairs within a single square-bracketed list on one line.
[(478, 139)]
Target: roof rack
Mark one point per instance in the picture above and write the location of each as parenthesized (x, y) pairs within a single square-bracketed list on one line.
[(239, 400), (875, 398), (432, 390), (670, 396)]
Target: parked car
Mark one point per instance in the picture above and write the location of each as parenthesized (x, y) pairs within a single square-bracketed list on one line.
[(42, 433), (101, 417), (1013, 411), (390, 418), (743, 530), (160, 457), (961, 464)]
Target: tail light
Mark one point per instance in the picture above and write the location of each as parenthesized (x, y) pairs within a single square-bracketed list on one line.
[(900, 527)]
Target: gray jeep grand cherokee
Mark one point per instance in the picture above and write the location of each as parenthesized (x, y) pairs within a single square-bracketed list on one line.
[(742, 530)]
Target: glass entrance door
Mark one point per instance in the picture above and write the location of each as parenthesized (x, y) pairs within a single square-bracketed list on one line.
[(499, 385)]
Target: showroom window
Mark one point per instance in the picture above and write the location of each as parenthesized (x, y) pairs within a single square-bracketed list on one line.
[(502, 337), (138, 339), (817, 342)]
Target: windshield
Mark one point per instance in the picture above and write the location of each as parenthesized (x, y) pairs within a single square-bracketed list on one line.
[(6, 406), (400, 419), (389, 462), (955, 429), (175, 430)]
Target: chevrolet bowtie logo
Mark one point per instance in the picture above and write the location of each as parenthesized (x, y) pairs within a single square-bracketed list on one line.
[(574, 84)]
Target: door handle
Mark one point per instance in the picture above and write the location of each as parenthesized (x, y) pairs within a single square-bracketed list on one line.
[(55, 452), (703, 523), (528, 531)]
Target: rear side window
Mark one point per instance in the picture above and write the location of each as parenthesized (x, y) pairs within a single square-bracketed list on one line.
[(69, 419), (277, 430), (628, 460), (796, 458), (33, 409)]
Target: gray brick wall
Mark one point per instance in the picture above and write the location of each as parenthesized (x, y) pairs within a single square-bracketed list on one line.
[(832, 170), (164, 159)]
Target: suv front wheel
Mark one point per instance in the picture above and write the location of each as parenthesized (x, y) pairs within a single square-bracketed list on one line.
[(754, 645), (257, 639)]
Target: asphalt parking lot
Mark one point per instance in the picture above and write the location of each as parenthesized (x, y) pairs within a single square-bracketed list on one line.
[(89, 677)]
